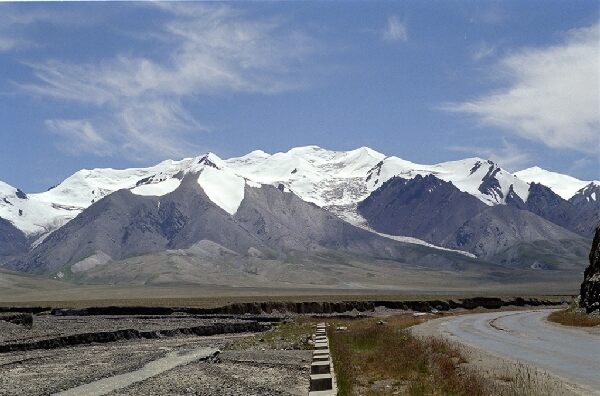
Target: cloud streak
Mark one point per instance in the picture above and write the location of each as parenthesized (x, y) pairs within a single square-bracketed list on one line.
[(16, 20), (209, 50), (551, 94), (509, 156), (395, 30)]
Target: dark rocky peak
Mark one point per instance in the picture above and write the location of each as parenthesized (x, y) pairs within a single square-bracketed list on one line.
[(490, 184), (578, 215), (538, 191), (206, 161), (20, 194), (429, 183), (512, 199), (586, 205), (590, 288), (589, 195), (376, 170), (475, 167), (395, 181), (145, 180), (546, 203)]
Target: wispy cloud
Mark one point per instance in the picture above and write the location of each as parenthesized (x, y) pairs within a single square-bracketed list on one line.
[(80, 137), (138, 102), (551, 94), (8, 43), (16, 20), (509, 156), (488, 13), (395, 30), (483, 51)]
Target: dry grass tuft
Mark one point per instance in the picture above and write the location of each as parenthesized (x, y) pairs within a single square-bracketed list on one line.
[(370, 353), (574, 317)]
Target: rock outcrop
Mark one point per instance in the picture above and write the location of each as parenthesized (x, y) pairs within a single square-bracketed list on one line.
[(590, 288)]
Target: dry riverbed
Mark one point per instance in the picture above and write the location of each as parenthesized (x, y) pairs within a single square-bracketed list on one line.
[(241, 368)]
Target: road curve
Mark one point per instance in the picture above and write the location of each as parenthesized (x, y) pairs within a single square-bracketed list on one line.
[(527, 336)]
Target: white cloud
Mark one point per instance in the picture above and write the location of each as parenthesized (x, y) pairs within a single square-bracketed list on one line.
[(208, 50), (552, 94), (395, 30)]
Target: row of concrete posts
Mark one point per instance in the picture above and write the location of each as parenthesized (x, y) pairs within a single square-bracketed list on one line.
[(322, 378)]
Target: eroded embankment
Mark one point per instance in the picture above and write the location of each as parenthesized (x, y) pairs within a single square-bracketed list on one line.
[(128, 334), (274, 307), (18, 318)]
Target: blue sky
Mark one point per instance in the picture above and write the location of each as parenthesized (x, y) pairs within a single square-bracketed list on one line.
[(87, 85)]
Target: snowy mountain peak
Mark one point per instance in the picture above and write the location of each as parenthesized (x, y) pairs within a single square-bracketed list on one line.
[(479, 177), (564, 185), (336, 180)]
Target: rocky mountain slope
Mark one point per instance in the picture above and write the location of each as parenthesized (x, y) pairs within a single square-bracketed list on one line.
[(269, 223), (438, 212), (13, 242), (516, 237), (424, 207)]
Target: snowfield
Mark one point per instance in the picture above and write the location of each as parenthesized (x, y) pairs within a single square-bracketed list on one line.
[(564, 185)]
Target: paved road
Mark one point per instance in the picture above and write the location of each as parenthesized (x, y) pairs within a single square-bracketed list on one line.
[(526, 336), (158, 366)]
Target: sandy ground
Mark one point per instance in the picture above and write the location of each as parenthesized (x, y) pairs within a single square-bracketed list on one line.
[(559, 360), (19, 289)]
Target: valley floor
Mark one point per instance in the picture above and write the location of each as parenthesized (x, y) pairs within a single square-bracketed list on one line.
[(164, 354)]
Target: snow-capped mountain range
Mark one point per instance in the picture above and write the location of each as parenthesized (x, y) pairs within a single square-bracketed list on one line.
[(334, 180), (307, 216)]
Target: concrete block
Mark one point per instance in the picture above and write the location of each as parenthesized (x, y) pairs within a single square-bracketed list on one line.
[(330, 392), (321, 358), (321, 352), (321, 345), (320, 367), (320, 382), (320, 338)]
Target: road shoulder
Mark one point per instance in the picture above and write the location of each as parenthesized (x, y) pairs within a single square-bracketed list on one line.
[(501, 368)]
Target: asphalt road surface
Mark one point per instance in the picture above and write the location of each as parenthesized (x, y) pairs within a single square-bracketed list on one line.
[(526, 336)]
